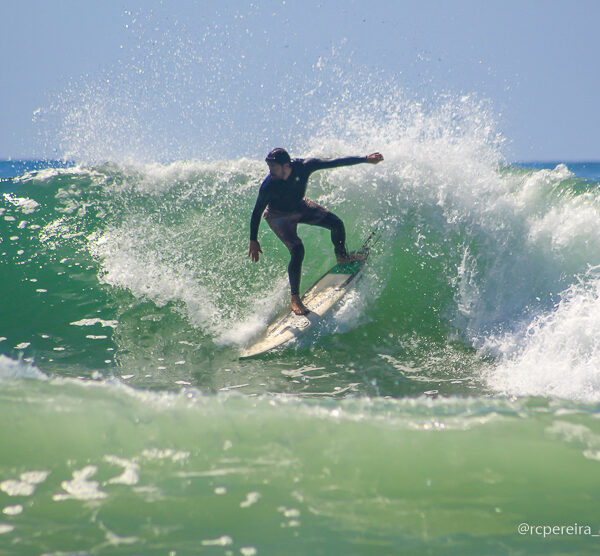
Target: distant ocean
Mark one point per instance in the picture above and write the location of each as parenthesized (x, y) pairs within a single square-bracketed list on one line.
[(450, 405)]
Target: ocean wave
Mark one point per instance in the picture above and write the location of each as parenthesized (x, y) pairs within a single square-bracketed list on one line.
[(473, 251)]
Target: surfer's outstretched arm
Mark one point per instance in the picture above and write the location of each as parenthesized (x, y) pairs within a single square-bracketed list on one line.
[(314, 164)]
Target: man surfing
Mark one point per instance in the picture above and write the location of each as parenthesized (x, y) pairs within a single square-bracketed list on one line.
[(282, 194)]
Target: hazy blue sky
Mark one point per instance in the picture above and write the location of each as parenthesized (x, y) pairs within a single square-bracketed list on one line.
[(197, 64)]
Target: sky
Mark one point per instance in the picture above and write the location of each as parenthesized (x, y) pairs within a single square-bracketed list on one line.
[(182, 75)]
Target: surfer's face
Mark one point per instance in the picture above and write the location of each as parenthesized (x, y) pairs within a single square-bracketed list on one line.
[(278, 171)]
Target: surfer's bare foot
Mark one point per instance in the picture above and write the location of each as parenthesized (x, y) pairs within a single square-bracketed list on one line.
[(351, 258), (297, 306)]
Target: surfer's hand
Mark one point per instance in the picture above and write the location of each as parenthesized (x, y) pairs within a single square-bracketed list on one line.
[(374, 158), (254, 250)]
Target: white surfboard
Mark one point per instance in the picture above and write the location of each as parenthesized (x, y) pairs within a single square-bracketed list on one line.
[(319, 299)]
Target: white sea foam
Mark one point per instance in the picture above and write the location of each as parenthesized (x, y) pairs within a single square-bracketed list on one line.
[(80, 487), (26, 206), (263, 309), (155, 178), (92, 322), (18, 369), (127, 263), (6, 528), (558, 352), (130, 475), (50, 173), (13, 510), (25, 485)]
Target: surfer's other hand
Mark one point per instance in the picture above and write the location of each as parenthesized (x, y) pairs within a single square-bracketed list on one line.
[(374, 158), (254, 250)]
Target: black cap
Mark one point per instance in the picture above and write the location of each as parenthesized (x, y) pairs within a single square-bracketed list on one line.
[(279, 155)]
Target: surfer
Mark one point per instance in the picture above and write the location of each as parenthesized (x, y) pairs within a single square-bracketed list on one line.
[(282, 194)]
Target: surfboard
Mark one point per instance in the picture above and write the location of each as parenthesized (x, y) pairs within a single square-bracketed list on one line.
[(319, 299)]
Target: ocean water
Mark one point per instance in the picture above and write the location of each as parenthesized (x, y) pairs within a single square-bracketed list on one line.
[(450, 405)]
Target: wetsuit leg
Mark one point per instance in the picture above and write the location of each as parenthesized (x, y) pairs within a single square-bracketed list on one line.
[(285, 228), (317, 215)]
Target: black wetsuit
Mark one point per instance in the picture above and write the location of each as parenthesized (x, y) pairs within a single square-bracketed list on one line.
[(287, 207)]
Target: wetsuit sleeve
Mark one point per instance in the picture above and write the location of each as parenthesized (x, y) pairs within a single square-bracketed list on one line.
[(259, 207), (314, 164)]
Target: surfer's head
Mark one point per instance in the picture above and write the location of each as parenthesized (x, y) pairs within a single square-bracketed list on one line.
[(279, 162)]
